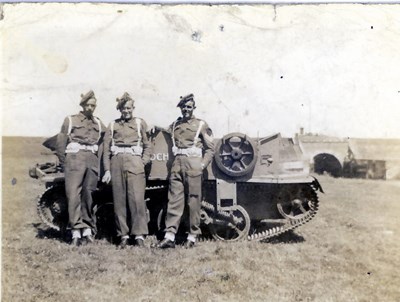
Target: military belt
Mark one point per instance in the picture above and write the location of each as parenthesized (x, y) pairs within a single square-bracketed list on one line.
[(134, 150), (75, 147), (189, 152)]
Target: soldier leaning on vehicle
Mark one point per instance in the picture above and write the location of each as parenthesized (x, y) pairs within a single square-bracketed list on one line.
[(126, 152), (77, 150), (193, 149)]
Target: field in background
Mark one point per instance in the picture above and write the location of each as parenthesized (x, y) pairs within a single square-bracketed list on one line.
[(349, 252)]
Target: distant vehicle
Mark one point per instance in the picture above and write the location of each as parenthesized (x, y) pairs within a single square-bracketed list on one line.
[(255, 189), (362, 168)]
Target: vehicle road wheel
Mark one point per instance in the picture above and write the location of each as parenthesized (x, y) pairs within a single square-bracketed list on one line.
[(52, 208), (231, 225), (293, 203)]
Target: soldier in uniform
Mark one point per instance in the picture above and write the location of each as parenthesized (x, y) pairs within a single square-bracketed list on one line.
[(193, 149), (77, 150), (126, 152)]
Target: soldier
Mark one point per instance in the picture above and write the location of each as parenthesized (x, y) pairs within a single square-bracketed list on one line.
[(126, 152), (77, 148), (193, 149)]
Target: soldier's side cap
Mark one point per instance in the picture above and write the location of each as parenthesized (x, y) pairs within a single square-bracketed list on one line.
[(123, 99), (86, 97), (184, 99)]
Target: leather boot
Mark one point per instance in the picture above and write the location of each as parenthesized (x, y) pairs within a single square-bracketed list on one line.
[(188, 244), (165, 244)]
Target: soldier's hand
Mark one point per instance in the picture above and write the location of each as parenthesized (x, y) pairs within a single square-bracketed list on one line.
[(107, 177), (155, 129), (60, 168)]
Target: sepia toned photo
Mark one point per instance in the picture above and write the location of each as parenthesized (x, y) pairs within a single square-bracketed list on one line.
[(200, 152)]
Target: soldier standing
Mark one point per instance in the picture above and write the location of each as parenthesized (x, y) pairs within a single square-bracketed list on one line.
[(193, 149), (126, 152), (77, 148)]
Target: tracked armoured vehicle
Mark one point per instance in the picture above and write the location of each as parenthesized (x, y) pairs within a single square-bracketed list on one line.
[(254, 189)]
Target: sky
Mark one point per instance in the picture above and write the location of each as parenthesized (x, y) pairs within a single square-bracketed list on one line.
[(332, 69)]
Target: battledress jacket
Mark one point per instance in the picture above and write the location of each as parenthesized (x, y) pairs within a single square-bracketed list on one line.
[(184, 131), (125, 134), (84, 130)]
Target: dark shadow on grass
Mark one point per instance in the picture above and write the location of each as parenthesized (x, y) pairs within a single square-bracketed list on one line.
[(44, 232), (48, 233), (287, 237)]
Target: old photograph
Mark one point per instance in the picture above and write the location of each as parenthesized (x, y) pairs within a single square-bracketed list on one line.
[(200, 152)]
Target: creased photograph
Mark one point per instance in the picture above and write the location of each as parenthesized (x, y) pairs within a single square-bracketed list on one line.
[(200, 152)]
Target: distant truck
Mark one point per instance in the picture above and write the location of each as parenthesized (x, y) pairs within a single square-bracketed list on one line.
[(255, 189)]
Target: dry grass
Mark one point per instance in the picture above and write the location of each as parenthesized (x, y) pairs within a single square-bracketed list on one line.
[(349, 252)]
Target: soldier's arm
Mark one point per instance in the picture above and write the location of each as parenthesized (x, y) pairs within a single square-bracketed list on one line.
[(208, 145), (62, 141), (156, 129), (171, 127), (106, 149), (100, 143), (146, 144), (103, 128)]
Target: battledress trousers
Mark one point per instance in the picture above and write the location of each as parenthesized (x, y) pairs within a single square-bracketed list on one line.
[(185, 182), (185, 179), (81, 176), (127, 174), (81, 167)]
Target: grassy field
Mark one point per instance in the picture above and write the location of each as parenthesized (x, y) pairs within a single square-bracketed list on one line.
[(349, 252)]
